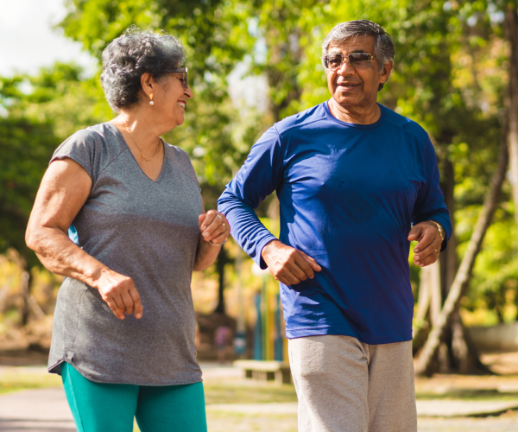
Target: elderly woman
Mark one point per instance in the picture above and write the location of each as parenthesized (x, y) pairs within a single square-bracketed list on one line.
[(124, 324)]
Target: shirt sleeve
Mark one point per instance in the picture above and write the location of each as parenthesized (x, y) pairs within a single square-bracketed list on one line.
[(83, 147), (430, 199), (261, 174)]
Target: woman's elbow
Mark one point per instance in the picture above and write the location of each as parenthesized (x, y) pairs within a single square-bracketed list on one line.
[(33, 238), (203, 264), (30, 239), (199, 266)]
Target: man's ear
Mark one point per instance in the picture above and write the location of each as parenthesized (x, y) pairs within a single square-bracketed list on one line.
[(385, 74)]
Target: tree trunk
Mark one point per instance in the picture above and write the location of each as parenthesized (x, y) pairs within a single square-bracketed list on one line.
[(25, 295), (457, 353), (511, 32), (448, 258), (428, 304), (463, 276), (220, 268)]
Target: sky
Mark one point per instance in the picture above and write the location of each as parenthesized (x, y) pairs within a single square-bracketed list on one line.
[(27, 40)]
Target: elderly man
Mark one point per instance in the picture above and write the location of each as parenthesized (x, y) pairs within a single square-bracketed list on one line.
[(352, 177)]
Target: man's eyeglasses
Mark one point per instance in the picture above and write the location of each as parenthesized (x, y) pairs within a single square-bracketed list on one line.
[(185, 78), (358, 60)]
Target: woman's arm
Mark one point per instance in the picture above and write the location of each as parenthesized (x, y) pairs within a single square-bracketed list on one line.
[(63, 192), (215, 230)]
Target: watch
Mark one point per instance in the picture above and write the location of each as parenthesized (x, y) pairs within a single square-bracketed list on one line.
[(440, 229)]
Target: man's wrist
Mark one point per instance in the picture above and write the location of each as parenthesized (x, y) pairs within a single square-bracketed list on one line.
[(267, 247), (440, 229)]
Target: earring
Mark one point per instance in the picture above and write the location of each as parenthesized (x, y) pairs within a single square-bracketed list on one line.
[(151, 99)]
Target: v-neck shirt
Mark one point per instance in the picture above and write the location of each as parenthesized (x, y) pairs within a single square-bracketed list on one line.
[(145, 229)]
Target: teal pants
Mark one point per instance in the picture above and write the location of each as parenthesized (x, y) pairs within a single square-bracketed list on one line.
[(99, 407)]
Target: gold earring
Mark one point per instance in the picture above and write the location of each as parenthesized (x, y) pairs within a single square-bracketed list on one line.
[(151, 99)]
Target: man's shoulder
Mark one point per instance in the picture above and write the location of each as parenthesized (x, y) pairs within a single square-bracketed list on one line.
[(409, 126), (302, 119)]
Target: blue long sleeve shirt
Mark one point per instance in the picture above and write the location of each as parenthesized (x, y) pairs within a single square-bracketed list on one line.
[(348, 195)]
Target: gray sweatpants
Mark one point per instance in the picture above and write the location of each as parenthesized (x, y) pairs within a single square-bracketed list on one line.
[(344, 385)]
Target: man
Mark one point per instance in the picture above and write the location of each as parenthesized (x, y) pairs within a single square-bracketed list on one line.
[(352, 177)]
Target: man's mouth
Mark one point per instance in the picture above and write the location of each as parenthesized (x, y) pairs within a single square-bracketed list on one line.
[(348, 85), (182, 104)]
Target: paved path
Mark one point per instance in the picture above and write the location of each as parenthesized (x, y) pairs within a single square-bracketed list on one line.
[(46, 410)]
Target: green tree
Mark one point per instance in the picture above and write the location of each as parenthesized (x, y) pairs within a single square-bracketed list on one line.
[(38, 113)]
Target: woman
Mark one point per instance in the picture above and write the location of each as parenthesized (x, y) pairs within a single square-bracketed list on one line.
[(124, 323)]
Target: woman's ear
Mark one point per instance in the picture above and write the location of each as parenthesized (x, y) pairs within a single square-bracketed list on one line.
[(148, 83)]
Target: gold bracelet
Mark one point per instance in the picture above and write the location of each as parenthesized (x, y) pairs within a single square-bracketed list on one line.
[(440, 229)]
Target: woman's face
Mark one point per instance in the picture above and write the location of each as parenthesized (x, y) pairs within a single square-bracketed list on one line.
[(171, 99)]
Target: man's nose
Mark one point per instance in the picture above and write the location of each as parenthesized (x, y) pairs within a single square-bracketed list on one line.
[(346, 68)]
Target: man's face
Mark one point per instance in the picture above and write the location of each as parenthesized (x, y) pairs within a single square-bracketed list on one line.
[(355, 87)]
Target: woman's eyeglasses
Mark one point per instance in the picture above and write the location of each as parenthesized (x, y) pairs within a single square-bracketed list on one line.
[(358, 60), (185, 78)]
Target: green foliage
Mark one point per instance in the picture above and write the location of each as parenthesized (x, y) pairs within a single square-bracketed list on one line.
[(449, 75), (39, 112)]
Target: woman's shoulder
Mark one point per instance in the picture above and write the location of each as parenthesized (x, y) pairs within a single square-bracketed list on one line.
[(93, 147), (181, 159), (96, 135)]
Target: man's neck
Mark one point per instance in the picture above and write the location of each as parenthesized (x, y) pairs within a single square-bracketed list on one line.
[(361, 115)]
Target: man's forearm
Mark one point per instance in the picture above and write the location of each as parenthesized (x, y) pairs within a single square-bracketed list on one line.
[(247, 229)]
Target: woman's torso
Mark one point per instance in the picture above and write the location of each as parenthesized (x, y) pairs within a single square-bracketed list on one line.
[(144, 229)]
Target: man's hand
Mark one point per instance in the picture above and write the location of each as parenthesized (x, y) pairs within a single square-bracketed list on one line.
[(288, 265), (429, 246)]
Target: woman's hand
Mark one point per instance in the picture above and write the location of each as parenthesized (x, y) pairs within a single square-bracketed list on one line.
[(215, 230), (214, 227), (119, 292)]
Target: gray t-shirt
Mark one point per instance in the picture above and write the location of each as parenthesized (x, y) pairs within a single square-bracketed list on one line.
[(147, 230)]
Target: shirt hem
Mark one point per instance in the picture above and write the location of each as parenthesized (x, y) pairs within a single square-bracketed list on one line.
[(368, 339), (53, 369)]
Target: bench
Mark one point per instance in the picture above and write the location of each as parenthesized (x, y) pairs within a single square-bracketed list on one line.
[(265, 370)]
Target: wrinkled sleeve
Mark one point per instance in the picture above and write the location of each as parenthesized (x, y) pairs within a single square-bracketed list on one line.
[(430, 199), (260, 175)]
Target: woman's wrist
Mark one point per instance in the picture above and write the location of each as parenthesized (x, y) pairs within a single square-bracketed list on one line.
[(217, 244)]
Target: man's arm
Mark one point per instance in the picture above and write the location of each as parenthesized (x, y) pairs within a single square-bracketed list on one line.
[(430, 214), (261, 174)]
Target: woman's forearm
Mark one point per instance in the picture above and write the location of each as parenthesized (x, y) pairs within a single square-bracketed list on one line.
[(205, 255), (214, 232), (61, 256)]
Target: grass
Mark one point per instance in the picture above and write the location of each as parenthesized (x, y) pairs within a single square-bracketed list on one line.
[(229, 392), (10, 382), (237, 422), (469, 395)]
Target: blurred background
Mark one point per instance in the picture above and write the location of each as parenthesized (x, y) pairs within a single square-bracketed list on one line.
[(252, 63)]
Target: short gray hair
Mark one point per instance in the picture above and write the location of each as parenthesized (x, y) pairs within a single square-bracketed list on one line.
[(131, 55), (383, 46)]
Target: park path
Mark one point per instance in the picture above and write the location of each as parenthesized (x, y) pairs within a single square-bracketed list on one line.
[(46, 410)]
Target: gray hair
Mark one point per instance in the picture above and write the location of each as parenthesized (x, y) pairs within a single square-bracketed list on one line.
[(131, 55), (383, 46)]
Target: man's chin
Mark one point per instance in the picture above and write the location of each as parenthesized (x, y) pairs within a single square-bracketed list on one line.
[(345, 100)]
